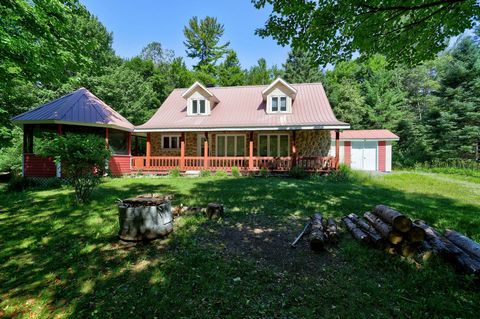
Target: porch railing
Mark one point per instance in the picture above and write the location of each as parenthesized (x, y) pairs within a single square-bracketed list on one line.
[(279, 164)]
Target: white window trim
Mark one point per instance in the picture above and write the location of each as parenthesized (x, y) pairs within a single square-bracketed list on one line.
[(207, 107), (170, 141), (288, 104), (226, 137), (268, 143)]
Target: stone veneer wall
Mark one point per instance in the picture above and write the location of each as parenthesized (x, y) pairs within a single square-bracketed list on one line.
[(313, 142), (308, 143)]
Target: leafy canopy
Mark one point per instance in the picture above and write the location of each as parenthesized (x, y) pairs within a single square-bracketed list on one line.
[(333, 30)]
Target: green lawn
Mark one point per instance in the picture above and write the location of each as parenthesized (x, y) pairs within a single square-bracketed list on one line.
[(59, 261)]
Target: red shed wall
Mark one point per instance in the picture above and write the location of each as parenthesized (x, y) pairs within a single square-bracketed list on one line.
[(382, 157), (347, 152), (119, 165), (37, 166)]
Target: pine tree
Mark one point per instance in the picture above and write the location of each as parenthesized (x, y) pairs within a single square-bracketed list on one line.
[(300, 67), (230, 72)]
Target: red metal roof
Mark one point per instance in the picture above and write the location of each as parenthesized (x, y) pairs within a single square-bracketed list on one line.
[(79, 107), (366, 135), (243, 107)]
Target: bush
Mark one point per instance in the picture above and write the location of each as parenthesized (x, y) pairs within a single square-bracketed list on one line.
[(175, 172), (11, 156), (264, 172), (236, 171), (298, 172), (343, 173), (221, 173), (83, 158), (205, 173)]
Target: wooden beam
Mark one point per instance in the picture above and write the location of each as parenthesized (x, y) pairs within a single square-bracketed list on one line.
[(147, 164), (250, 152), (182, 152), (205, 152), (58, 166), (337, 147)]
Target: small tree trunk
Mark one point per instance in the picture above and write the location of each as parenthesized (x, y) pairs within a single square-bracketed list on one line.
[(356, 232), (394, 218), (214, 210), (472, 248), (317, 237), (415, 234), (367, 228), (385, 230), (332, 230)]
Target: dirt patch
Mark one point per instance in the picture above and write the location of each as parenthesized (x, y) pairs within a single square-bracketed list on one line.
[(267, 242)]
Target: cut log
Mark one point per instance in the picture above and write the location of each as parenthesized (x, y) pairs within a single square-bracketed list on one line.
[(449, 250), (304, 231), (214, 210), (415, 234), (356, 232), (317, 236), (409, 249), (332, 231), (385, 230), (392, 217), (374, 235), (471, 247)]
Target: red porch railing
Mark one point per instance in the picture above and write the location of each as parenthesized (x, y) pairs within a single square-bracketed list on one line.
[(278, 164)]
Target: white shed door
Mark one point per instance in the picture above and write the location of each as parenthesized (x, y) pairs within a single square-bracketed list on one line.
[(364, 155)]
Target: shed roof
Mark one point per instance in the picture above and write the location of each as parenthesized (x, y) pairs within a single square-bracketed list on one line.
[(80, 107), (366, 135), (243, 108)]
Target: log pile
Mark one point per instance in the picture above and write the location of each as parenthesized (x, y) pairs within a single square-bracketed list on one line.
[(388, 229), (319, 232)]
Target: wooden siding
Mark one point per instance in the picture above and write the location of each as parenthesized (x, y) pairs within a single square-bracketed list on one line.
[(381, 156), (119, 165), (37, 166)]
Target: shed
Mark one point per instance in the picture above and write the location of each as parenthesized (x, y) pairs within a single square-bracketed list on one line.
[(79, 111), (367, 150)]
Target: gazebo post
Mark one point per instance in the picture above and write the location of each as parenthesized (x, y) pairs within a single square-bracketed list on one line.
[(337, 148), (148, 151), (59, 165)]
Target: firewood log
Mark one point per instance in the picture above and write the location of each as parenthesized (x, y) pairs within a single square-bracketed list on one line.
[(356, 232), (214, 210), (332, 231), (374, 235), (407, 249), (468, 245), (317, 236), (384, 229), (399, 221), (448, 250), (415, 234)]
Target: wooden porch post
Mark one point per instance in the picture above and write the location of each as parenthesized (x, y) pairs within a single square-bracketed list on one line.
[(205, 152), (107, 145), (182, 151), (337, 148), (250, 152), (294, 149), (147, 164), (24, 149), (59, 165)]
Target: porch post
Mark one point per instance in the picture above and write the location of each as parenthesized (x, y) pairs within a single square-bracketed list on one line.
[(337, 148), (148, 151), (182, 151), (205, 152), (24, 149), (59, 165), (250, 158), (107, 146), (294, 149)]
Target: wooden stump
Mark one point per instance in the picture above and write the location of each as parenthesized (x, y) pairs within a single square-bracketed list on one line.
[(215, 210), (384, 229), (317, 237)]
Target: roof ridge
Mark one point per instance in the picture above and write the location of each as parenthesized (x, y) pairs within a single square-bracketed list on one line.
[(252, 85)]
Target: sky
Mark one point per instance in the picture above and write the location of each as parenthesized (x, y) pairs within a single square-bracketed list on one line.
[(134, 24)]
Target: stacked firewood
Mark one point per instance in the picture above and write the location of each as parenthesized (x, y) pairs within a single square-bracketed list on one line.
[(319, 232), (394, 232)]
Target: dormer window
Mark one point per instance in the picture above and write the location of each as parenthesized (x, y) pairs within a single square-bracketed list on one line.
[(198, 107), (279, 104)]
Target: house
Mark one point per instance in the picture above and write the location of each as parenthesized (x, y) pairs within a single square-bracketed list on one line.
[(272, 127)]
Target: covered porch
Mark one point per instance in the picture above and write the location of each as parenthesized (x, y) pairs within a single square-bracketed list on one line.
[(248, 151)]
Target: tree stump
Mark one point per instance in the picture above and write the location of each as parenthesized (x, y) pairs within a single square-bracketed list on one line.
[(215, 210)]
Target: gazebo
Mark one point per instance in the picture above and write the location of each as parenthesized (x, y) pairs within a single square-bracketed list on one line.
[(77, 112)]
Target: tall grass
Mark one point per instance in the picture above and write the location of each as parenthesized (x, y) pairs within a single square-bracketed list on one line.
[(453, 166)]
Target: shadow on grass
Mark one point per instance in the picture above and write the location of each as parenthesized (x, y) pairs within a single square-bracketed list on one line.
[(61, 260)]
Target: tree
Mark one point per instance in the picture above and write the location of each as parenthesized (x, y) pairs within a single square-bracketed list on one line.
[(407, 31), (300, 67), (260, 73), (155, 53), (230, 72), (202, 42), (83, 158)]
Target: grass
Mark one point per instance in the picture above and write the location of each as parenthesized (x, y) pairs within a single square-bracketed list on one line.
[(61, 261)]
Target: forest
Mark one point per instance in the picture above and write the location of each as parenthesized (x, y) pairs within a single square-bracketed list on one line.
[(47, 51)]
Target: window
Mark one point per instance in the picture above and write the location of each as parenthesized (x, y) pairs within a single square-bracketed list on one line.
[(118, 142), (275, 145), (170, 141), (199, 107), (230, 145), (279, 104)]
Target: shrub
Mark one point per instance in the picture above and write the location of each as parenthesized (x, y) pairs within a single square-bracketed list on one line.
[(298, 172), (343, 173), (205, 173), (83, 158), (264, 172), (220, 173), (235, 171), (11, 156), (175, 172)]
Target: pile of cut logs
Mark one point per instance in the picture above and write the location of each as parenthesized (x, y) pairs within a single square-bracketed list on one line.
[(389, 229), (318, 232)]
